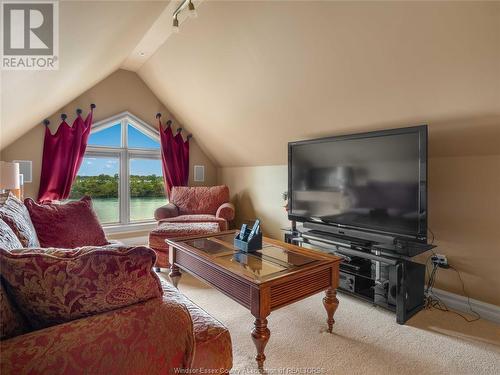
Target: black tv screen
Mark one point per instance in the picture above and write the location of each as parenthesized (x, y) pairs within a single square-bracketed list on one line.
[(373, 181)]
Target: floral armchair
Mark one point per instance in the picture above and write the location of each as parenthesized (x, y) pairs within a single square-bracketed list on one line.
[(198, 204)]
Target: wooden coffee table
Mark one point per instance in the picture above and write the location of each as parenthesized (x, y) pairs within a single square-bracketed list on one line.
[(269, 279)]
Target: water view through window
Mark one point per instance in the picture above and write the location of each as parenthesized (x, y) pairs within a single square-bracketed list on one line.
[(146, 188), (99, 178), (138, 157)]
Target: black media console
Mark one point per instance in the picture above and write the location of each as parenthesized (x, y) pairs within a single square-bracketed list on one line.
[(381, 273)]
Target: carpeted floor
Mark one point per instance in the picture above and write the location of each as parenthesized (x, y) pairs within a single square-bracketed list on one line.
[(366, 339)]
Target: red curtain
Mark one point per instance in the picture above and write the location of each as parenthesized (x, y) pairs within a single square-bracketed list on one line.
[(175, 157), (62, 156)]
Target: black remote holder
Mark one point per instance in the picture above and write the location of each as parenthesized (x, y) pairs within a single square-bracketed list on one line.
[(247, 246)]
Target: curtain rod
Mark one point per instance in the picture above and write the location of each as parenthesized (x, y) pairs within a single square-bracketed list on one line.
[(64, 116), (169, 123)]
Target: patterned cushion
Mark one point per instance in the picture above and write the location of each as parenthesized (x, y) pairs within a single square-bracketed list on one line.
[(12, 323), (172, 230), (51, 286), (8, 239), (16, 216), (67, 225), (183, 229), (200, 199), (200, 218)]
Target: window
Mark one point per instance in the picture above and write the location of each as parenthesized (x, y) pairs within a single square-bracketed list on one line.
[(108, 136), (122, 171), (146, 187)]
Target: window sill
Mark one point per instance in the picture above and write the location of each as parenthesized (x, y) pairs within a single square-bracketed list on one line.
[(125, 228)]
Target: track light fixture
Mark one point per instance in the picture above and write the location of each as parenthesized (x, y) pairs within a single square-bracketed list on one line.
[(191, 12), (175, 24)]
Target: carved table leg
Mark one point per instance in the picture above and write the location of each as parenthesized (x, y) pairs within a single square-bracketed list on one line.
[(260, 337), (331, 303), (175, 275)]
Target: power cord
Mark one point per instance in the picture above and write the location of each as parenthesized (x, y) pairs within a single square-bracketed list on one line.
[(431, 300), (475, 313), (434, 302), (432, 233)]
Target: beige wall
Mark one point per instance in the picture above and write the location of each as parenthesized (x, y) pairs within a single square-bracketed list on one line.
[(464, 209), (464, 214), (256, 193), (119, 92)]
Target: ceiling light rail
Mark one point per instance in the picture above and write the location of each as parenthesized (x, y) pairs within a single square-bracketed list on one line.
[(191, 12)]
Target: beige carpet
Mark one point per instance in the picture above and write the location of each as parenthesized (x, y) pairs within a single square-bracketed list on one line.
[(366, 339)]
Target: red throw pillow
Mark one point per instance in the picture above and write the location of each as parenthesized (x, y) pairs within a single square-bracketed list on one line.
[(66, 225), (53, 286)]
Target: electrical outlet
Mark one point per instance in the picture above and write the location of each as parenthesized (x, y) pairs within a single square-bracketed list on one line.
[(440, 260)]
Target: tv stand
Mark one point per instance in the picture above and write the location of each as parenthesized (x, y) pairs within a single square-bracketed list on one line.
[(380, 273)]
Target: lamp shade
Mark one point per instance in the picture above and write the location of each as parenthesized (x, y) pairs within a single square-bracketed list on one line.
[(9, 176)]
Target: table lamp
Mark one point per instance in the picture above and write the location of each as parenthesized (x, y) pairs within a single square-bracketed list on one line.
[(10, 179)]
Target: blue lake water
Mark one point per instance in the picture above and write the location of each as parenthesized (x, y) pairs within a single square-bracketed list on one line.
[(141, 209)]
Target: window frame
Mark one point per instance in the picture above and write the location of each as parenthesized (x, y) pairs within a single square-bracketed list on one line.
[(124, 154)]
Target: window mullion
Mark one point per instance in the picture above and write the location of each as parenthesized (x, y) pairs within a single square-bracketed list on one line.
[(146, 154), (124, 188), (124, 123), (124, 198)]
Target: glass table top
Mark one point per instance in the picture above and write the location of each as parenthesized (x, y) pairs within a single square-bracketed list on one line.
[(269, 261), (208, 246)]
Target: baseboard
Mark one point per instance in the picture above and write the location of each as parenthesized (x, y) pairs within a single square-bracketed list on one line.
[(457, 302)]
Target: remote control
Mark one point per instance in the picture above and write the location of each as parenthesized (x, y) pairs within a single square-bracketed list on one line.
[(255, 228), (242, 232)]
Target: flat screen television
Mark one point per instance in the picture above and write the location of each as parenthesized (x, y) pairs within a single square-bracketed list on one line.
[(373, 182)]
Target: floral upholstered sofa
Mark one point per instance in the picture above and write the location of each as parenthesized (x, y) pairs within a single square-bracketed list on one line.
[(94, 309)]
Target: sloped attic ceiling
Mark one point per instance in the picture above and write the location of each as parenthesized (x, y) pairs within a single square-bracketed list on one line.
[(250, 76), (95, 38)]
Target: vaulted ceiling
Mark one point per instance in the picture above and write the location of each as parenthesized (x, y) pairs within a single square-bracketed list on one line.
[(94, 40), (246, 77)]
